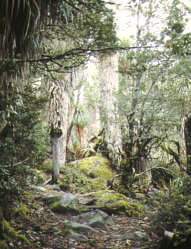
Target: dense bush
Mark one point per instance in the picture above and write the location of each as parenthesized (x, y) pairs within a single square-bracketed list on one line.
[(22, 143), (174, 215)]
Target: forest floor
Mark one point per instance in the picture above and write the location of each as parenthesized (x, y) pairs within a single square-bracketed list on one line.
[(43, 228)]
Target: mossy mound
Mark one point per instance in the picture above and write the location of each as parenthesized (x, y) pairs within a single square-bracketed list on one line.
[(86, 175), (113, 202)]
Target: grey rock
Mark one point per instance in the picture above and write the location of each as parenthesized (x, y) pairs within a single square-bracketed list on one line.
[(53, 187), (63, 203), (140, 235), (137, 235), (38, 188), (124, 236), (77, 236), (96, 222), (96, 218), (78, 227)]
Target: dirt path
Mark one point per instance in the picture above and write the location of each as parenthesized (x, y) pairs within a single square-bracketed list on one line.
[(44, 228)]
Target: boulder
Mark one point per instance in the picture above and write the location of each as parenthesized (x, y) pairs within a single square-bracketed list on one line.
[(75, 236), (95, 218), (86, 175), (78, 227), (113, 202), (63, 203)]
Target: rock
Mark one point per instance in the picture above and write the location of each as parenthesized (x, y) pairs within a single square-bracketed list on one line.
[(76, 236), (53, 187), (78, 227), (63, 203), (124, 236), (140, 235), (113, 202), (86, 175), (38, 188), (96, 218), (137, 235)]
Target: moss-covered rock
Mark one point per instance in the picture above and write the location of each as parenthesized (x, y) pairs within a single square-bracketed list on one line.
[(113, 202), (64, 203), (86, 175)]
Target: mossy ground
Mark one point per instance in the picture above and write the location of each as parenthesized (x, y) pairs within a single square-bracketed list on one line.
[(44, 229), (8, 233), (86, 175)]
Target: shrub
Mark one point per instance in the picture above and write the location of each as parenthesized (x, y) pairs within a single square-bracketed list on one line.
[(174, 214), (19, 141)]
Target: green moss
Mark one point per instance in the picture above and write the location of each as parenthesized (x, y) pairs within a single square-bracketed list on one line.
[(96, 166), (21, 210), (47, 167), (67, 231), (113, 202), (3, 245), (7, 232), (86, 175), (54, 205)]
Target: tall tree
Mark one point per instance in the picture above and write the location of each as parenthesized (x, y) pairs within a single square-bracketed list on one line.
[(108, 87)]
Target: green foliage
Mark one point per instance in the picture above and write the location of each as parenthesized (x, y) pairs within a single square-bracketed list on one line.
[(174, 213), (8, 233), (80, 118), (3, 245), (20, 141), (154, 87), (178, 41), (161, 177)]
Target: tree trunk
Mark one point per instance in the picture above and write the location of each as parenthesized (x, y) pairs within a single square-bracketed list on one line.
[(109, 80), (187, 137), (58, 121), (56, 159)]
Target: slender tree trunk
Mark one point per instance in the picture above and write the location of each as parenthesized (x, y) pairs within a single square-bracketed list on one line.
[(58, 120), (56, 159), (187, 137)]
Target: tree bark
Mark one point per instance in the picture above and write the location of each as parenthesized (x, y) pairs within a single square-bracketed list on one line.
[(109, 80), (187, 137), (58, 121), (56, 160)]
